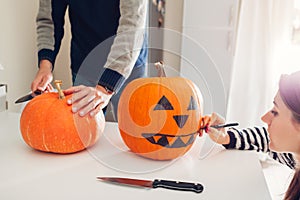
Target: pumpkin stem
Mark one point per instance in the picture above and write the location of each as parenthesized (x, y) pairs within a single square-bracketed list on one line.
[(60, 92), (160, 69)]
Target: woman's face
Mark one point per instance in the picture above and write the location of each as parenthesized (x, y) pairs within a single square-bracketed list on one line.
[(284, 132)]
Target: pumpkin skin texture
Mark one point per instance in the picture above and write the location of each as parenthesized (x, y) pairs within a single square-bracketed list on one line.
[(159, 117), (48, 124)]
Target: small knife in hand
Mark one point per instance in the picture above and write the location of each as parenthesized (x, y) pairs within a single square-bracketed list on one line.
[(173, 185)]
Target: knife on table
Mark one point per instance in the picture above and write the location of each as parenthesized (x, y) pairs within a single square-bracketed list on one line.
[(167, 184), (28, 96)]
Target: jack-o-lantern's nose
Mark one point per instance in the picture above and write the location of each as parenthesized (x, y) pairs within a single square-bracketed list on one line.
[(180, 120)]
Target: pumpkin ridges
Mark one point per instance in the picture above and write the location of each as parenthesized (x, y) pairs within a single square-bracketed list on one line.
[(80, 124), (199, 99), (88, 141), (97, 128), (96, 124), (44, 142), (48, 149), (63, 137), (29, 132)]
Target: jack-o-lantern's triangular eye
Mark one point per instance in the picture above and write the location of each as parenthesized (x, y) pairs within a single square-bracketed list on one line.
[(163, 104), (193, 104)]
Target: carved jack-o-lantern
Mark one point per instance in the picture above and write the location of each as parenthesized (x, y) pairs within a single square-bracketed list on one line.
[(159, 117)]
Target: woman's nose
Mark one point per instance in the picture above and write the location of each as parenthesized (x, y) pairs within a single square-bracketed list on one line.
[(266, 118)]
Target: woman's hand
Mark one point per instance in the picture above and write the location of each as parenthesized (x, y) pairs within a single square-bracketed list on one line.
[(219, 136), (204, 123), (43, 77), (88, 100)]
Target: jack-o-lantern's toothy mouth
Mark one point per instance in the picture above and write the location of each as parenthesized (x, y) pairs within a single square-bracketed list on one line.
[(170, 141)]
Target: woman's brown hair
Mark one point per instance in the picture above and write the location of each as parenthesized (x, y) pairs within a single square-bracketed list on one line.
[(293, 192), (289, 89)]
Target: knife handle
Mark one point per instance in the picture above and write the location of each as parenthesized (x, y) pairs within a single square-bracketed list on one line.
[(177, 185), (37, 92)]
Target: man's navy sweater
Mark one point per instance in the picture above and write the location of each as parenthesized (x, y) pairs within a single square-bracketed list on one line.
[(92, 22)]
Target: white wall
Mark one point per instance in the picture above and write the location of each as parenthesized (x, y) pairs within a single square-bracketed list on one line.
[(17, 47), (173, 29), (199, 41), (18, 52), (208, 47)]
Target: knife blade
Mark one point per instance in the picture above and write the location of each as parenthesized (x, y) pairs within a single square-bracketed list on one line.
[(225, 125), (167, 184), (222, 125), (28, 96)]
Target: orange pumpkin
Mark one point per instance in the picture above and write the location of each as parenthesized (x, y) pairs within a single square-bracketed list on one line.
[(48, 124), (159, 117)]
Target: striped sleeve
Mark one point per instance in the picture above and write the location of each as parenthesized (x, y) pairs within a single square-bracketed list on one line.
[(257, 139), (284, 158), (248, 139)]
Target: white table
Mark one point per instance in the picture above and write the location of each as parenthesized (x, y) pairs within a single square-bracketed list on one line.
[(29, 174)]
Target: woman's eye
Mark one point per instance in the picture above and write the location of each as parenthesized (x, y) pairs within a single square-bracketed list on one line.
[(274, 112)]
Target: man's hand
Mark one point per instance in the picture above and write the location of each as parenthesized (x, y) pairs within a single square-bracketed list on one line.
[(43, 77), (88, 100)]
